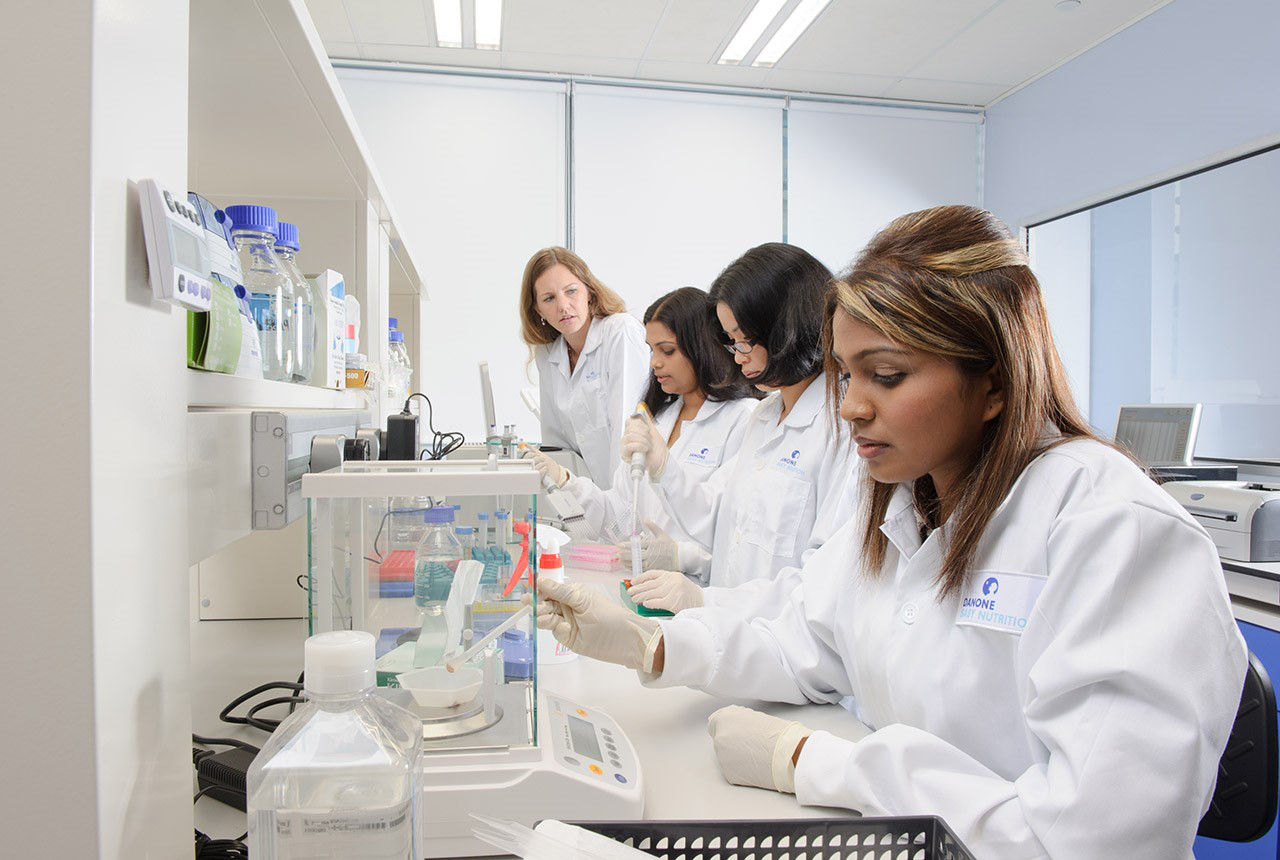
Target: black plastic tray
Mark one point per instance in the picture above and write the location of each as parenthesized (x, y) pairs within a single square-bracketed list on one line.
[(888, 838)]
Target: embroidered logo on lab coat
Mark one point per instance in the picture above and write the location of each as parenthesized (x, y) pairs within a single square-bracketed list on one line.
[(591, 376), (1000, 601), (790, 465), (703, 456)]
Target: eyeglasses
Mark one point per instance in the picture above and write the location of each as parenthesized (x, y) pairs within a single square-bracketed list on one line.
[(741, 347)]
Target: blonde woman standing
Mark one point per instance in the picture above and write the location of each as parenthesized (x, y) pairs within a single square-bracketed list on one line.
[(591, 355)]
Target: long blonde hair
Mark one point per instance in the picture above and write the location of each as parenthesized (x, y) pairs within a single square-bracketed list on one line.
[(953, 282), (601, 301)]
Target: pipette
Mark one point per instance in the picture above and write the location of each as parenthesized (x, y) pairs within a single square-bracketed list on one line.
[(453, 662), (637, 473)]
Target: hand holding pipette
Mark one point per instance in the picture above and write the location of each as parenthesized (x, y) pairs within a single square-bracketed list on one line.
[(641, 438)]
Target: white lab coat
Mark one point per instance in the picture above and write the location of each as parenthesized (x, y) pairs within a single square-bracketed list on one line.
[(706, 441), (584, 411), (1079, 715), (782, 495)]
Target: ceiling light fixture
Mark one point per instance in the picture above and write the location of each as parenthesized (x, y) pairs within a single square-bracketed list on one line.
[(489, 24), (786, 35), (1067, 5), (751, 30)]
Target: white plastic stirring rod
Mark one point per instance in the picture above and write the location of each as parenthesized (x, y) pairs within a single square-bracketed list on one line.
[(452, 663)]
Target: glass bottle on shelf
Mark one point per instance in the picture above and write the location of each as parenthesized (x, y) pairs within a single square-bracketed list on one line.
[(271, 293), (304, 316)]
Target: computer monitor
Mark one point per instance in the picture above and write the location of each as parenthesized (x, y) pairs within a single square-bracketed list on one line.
[(1159, 434), (486, 395)]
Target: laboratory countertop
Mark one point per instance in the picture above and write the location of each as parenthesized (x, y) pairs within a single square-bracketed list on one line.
[(667, 727)]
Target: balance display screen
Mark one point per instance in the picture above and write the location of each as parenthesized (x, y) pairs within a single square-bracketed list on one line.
[(582, 736), (186, 250)]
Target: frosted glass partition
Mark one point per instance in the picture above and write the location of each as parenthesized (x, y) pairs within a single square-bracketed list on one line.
[(853, 169), (672, 187), (1184, 304)]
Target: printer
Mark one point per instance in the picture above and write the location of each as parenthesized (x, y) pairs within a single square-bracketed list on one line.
[(1242, 517)]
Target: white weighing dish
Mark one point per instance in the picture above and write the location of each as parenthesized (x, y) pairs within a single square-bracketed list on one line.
[(437, 687)]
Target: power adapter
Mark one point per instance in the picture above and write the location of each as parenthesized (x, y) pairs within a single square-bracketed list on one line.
[(402, 436), (225, 775)]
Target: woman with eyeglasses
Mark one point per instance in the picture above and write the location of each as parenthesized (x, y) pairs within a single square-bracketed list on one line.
[(785, 490), (590, 355), (700, 404)]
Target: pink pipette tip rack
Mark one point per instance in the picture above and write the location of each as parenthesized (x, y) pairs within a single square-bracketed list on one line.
[(594, 556)]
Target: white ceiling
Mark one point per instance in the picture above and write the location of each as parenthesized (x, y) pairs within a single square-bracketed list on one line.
[(968, 52)]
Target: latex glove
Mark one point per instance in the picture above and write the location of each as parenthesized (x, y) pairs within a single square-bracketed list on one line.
[(666, 589), (756, 749), (551, 470), (657, 550), (640, 436), (589, 623)]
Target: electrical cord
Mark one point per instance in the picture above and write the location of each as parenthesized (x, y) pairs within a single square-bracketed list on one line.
[(250, 719), (442, 444), (206, 847), (378, 557)]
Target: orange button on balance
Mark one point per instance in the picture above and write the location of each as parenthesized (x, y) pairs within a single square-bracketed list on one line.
[(581, 712), (596, 770)]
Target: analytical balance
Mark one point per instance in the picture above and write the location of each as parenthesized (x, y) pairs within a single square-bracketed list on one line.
[(509, 750)]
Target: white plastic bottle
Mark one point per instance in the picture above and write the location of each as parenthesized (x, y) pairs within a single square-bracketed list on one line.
[(271, 295), (337, 778), (304, 314)]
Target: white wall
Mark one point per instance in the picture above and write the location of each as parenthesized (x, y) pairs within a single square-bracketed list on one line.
[(477, 167), (1062, 260), (1189, 84), (670, 187), (96, 642), (851, 170)]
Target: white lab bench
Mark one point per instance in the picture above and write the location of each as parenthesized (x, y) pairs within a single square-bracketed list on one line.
[(667, 727)]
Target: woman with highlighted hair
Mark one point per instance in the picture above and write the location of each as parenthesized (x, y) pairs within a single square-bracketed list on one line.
[(1038, 636), (590, 355), (785, 491), (699, 402)]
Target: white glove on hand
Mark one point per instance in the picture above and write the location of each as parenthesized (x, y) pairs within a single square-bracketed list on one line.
[(657, 550), (666, 589), (589, 623), (640, 436), (551, 470), (756, 749)]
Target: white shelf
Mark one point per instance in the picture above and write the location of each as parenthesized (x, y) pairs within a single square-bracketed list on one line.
[(223, 391), (269, 120)]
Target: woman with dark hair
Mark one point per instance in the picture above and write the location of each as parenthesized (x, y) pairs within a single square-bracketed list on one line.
[(699, 402), (1038, 636), (784, 493), (590, 356)]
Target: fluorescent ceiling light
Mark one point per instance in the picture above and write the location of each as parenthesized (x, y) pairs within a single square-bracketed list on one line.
[(489, 24), (448, 23), (797, 22), (751, 30)]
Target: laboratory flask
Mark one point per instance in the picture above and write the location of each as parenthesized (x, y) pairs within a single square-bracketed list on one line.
[(437, 558), (304, 315), (336, 778), (271, 294)]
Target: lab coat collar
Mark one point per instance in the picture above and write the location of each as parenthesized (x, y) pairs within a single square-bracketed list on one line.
[(901, 524), (707, 410), (808, 405)]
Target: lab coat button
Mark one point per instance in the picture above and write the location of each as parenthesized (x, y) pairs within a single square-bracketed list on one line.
[(909, 613)]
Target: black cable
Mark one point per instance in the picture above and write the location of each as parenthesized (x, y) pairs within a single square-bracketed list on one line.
[(267, 726), (208, 848), (301, 584), (224, 742), (252, 714), (380, 558), (442, 444)]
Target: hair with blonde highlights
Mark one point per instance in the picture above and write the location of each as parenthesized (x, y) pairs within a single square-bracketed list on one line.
[(602, 301), (953, 282)]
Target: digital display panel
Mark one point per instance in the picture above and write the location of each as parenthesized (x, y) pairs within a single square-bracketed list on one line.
[(582, 736), (186, 250)]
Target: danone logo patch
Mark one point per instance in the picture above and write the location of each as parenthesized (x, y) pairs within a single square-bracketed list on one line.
[(1000, 601), (703, 456), (790, 464)]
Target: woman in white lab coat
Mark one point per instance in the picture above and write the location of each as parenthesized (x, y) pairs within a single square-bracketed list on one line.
[(590, 354), (700, 403), (785, 491), (1039, 638)]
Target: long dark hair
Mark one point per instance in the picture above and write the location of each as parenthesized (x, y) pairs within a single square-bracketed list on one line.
[(776, 292), (690, 315)]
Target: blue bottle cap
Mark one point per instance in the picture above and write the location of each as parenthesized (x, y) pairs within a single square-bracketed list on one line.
[(395, 337), (287, 236), (482, 515), (262, 219), (465, 530), (438, 515), (393, 323), (502, 515)]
